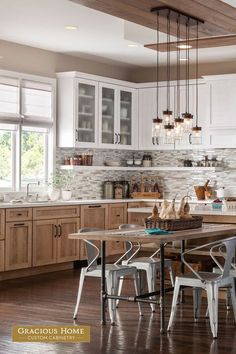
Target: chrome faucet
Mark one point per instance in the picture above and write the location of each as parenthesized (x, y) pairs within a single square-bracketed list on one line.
[(28, 187)]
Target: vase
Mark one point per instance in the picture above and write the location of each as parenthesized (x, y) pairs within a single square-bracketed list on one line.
[(66, 194), (54, 194)]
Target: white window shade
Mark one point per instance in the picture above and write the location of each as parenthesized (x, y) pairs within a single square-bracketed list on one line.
[(36, 103), (9, 99)]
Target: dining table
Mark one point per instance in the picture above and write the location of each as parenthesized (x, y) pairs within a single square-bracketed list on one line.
[(139, 235)]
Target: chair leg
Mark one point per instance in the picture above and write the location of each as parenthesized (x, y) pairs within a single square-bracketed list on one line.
[(112, 284), (174, 303), (81, 283), (197, 297), (151, 280), (212, 300), (233, 299), (121, 280), (228, 299), (172, 276), (137, 290)]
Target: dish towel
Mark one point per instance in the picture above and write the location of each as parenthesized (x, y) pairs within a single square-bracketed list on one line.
[(157, 232)]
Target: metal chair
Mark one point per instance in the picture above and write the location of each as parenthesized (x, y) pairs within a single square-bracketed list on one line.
[(151, 265), (113, 273), (211, 282)]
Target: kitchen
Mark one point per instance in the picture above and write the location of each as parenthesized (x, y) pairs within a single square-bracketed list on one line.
[(80, 148)]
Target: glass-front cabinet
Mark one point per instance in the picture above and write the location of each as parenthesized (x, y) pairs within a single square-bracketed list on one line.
[(96, 113), (87, 125), (117, 117)]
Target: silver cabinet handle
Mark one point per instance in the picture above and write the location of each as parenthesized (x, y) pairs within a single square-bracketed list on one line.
[(116, 138), (118, 142)]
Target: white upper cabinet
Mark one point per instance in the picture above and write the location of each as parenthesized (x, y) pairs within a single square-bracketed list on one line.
[(118, 117), (77, 114), (222, 122), (94, 113)]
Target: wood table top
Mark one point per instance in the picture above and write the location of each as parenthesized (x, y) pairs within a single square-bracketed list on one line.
[(139, 235)]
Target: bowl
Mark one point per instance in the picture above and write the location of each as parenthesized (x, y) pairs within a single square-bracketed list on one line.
[(138, 162), (129, 162)]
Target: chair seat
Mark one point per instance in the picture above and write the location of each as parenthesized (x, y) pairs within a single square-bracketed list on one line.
[(208, 277), (123, 269), (148, 260)]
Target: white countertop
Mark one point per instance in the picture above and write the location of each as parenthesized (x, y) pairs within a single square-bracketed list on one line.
[(87, 201), (208, 211)]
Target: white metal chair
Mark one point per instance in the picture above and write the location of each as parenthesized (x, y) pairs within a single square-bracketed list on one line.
[(211, 282), (151, 265), (113, 273)]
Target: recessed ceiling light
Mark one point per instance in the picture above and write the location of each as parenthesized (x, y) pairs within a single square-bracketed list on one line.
[(71, 28), (183, 59), (184, 46), (132, 45)]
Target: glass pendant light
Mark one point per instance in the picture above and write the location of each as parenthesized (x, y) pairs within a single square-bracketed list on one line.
[(157, 122), (167, 114), (187, 116), (179, 122), (195, 136)]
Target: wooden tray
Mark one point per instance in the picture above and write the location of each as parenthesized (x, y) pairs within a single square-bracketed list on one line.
[(174, 224), (145, 195)]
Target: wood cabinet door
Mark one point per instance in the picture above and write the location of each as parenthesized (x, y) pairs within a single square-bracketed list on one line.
[(18, 245), (2, 224), (45, 242), (2, 254), (117, 215), (137, 218), (94, 215), (66, 248)]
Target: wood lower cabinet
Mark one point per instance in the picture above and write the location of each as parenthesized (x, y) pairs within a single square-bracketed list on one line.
[(18, 245), (50, 241), (117, 215), (44, 242), (2, 255), (137, 218), (2, 224), (94, 215), (67, 249)]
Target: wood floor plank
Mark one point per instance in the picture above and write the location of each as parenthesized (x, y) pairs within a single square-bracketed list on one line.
[(50, 300)]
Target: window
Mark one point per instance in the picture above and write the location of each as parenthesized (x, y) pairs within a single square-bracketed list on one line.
[(26, 129)]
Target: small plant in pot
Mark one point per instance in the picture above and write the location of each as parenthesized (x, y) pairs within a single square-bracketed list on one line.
[(59, 186)]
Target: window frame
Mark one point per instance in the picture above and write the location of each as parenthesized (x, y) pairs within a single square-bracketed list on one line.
[(18, 120)]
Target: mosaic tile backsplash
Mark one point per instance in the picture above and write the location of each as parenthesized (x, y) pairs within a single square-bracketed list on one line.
[(89, 184)]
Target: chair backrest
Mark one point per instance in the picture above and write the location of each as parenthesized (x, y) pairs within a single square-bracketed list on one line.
[(131, 248), (92, 250), (228, 245)]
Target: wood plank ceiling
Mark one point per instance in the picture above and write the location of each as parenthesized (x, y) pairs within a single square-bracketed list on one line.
[(219, 18)]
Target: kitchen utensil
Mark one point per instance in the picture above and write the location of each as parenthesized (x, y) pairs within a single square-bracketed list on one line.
[(200, 191)]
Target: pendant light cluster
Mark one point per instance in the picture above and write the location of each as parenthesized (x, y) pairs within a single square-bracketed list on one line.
[(167, 128)]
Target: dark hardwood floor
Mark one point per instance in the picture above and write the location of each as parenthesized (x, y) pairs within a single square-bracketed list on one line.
[(50, 299)]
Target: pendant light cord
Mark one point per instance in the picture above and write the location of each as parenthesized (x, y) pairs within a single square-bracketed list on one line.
[(197, 34), (178, 66), (168, 60), (157, 68)]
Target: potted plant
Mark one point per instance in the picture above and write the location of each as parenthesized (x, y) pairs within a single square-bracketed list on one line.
[(59, 186)]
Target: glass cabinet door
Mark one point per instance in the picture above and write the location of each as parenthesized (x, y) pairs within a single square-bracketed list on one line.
[(108, 116), (125, 136), (86, 113)]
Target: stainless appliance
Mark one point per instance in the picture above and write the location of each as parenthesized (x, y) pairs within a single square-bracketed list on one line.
[(125, 189)]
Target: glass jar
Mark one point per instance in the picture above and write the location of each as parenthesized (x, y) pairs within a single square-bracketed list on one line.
[(118, 190)]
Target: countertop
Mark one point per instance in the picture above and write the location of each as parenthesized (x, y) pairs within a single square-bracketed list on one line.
[(208, 211), (87, 201)]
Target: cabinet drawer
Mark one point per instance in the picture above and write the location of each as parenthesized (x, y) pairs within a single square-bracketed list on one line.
[(18, 214), (56, 212), (2, 224)]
